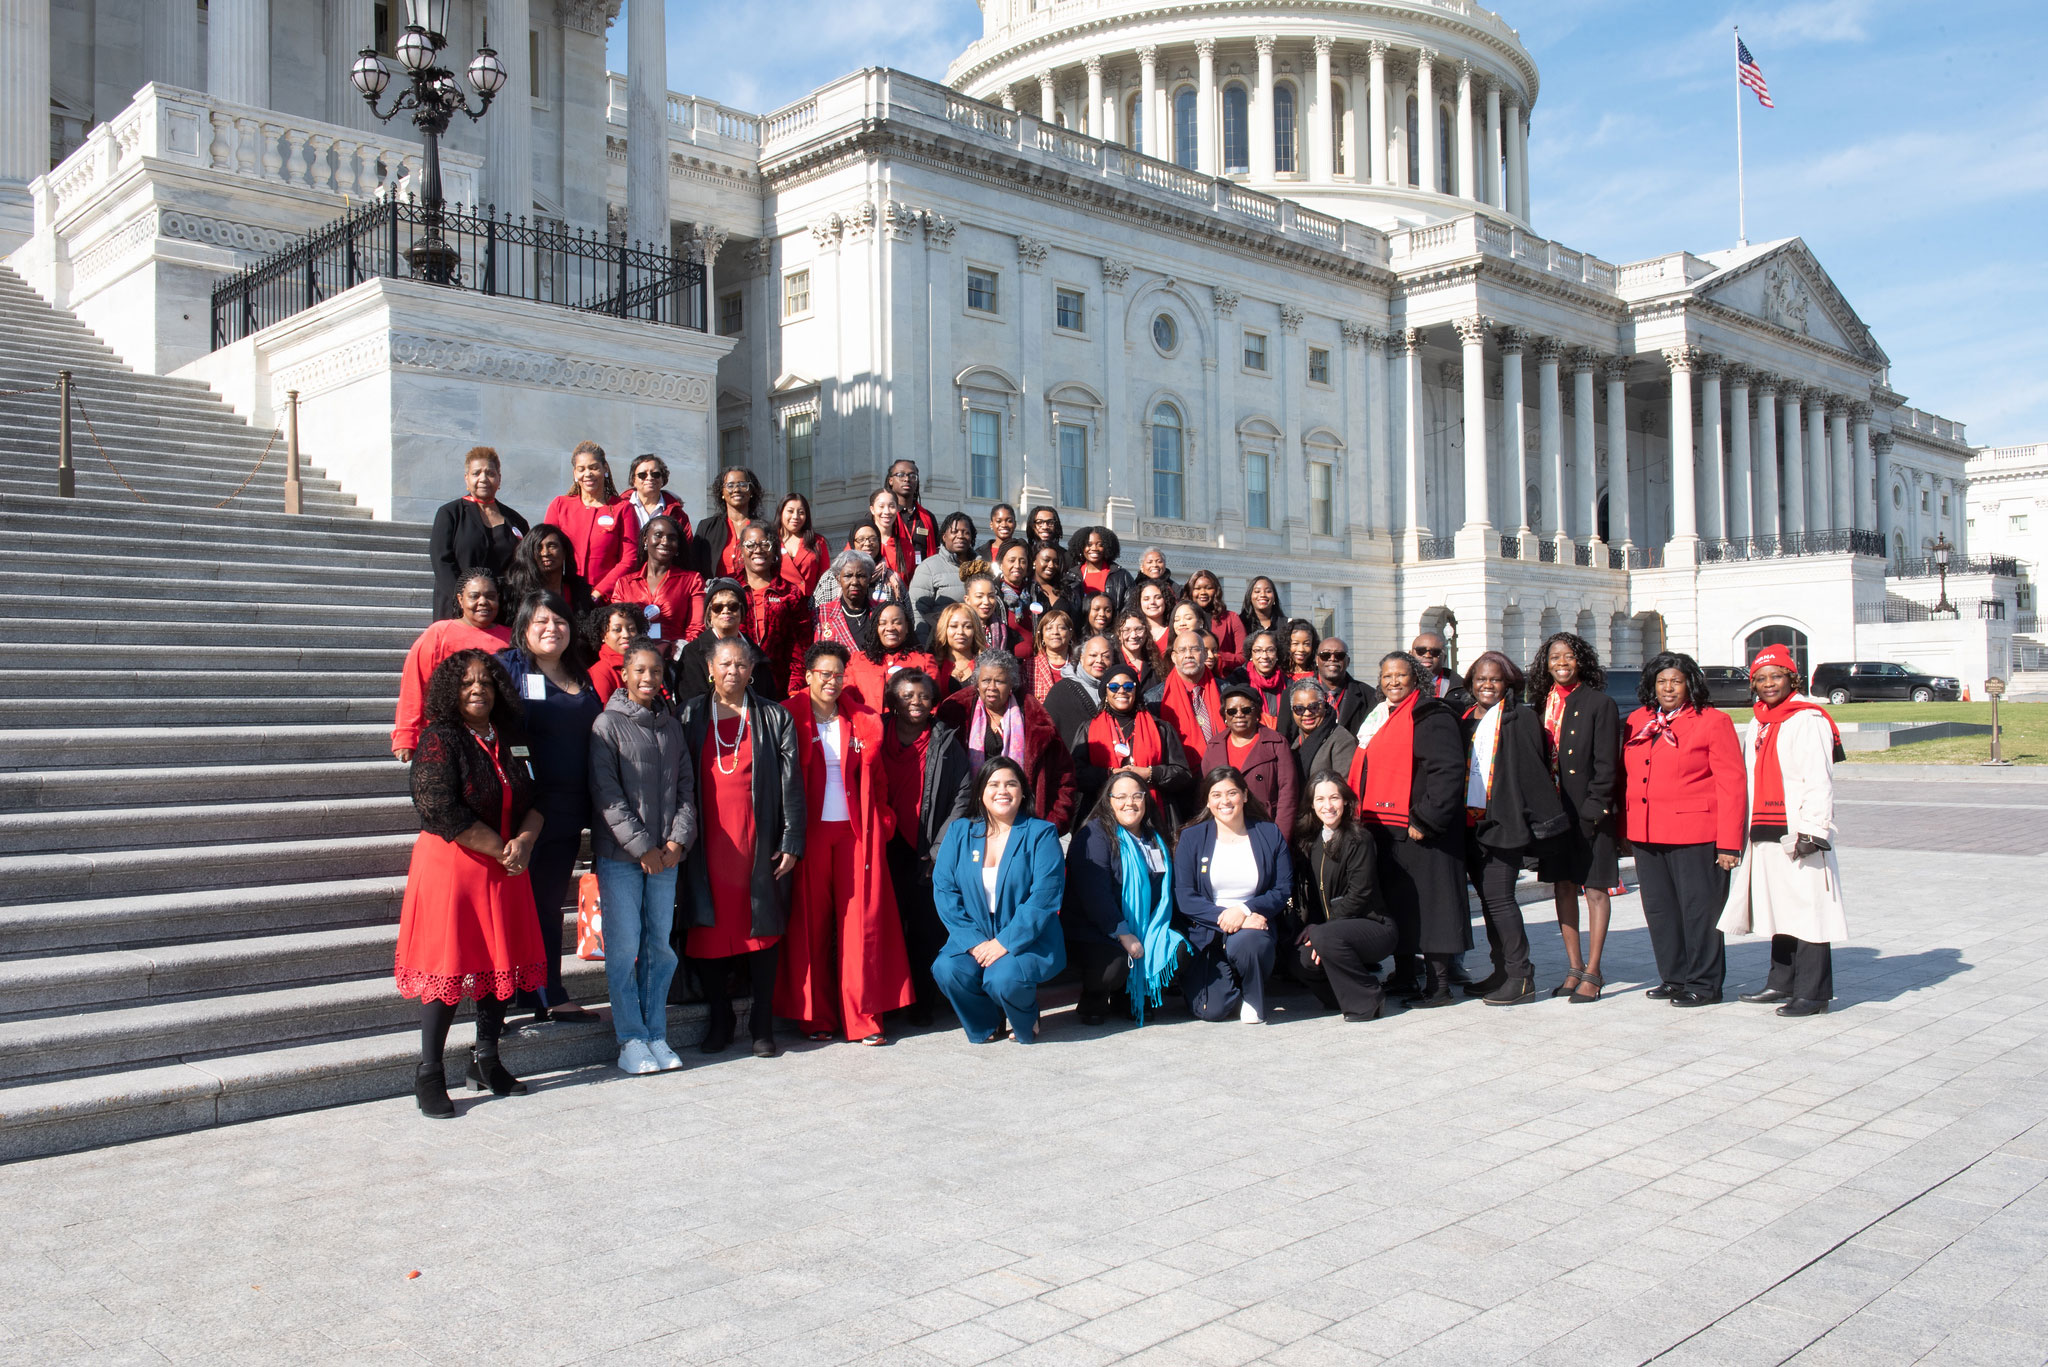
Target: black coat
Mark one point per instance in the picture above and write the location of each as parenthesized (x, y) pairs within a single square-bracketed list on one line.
[(1436, 794), (1459, 697), (462, 541), (1589, 770), (1070, 704), (1170, 776), (947, 793), (1351, 705), (1094, 904), (707, 543), (1339, 886), (779, 813), (1423, 881), (1523, 809)]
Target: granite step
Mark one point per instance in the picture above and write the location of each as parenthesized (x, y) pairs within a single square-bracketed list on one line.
[(91, 484), (144, 474), (111, 873), (140, 828), (173, 553), (351, 522), (66, 790), (194, 633), (233, 661), (309, 710), (64, 517), (338, 574), (140, 584), (101, 680), (154, 746), (36, 929)]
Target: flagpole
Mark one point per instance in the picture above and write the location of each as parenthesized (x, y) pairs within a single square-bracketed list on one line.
[(1741, 205)]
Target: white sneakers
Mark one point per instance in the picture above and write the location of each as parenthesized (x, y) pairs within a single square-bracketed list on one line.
[(636, 1057), (1249, 1016), (663, 1055)]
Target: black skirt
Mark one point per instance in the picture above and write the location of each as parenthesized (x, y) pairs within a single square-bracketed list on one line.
[(1423, 883), (1575, 857)]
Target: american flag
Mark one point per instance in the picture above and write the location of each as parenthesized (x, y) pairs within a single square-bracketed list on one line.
[(1752, 75)]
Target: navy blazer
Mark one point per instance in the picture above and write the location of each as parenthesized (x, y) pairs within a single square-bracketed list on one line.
[(1029, 889), (1194, 895)]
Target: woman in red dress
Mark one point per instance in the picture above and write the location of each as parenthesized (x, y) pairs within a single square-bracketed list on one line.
[(843, 962), (750, 811), (671, 598), (468, 929), (885, 647), (778, 614), (805, 554), (476, 598), (1205, 591), (587, 515)]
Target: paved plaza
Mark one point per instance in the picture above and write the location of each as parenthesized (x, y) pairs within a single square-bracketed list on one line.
[(1557, 1184)]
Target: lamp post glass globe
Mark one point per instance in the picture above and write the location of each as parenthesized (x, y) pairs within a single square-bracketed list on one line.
[(486, 73), (369, 74), (415, 49), (430, 16)]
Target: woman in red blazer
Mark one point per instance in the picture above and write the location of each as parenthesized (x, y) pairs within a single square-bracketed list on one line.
[(1687, 799), (1256, 750)]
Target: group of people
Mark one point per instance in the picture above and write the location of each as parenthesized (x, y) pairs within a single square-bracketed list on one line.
[(934, 768)]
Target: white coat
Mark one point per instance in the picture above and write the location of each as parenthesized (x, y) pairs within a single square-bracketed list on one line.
[(1771, 892)]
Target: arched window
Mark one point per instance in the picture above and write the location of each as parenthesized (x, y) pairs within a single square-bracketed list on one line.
[(1283, 129), (1415, 150), (1444, 148), (1340, 146), (1777, 634), (1184, 137), (1134, 123), (1237, 128), (1168, 461)]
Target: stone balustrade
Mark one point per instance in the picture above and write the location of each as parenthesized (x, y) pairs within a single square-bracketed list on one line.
[(1482, 235)]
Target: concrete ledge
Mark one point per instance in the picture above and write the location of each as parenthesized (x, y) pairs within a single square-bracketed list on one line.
[(1940, 773)]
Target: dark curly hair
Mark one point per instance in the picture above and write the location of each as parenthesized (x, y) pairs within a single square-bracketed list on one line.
[(1112, 548), (1695, 681), (1157, 819), (1590, 672), (443, 705), (754, 494), (574, 657)]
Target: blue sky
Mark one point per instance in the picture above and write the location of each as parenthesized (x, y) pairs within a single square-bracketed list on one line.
[(1909, 147)]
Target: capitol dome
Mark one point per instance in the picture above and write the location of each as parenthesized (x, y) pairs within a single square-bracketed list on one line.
[(1318, 101)]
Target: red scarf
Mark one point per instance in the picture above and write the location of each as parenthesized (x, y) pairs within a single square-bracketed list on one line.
[(1768, 809), (1553, 720), (895, 551), (1104, 735), (1388, 760), (729, 559), (1268, 688), (1196, 713), (1044, 674)]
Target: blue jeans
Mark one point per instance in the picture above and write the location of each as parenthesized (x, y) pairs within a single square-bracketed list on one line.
[(639, 963)]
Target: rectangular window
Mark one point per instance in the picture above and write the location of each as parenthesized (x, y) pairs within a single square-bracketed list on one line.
[(1944, 505), (796, 293), (533, 86), (1321, 502), (797, 431), (981, 290), (1257, 503), (985, 453), (1070, 310), (1255, 351), (1923, 500), (732, 447), (1318, 365), (731, 313), (1073, 466), (1168, 462), (2019, 521)]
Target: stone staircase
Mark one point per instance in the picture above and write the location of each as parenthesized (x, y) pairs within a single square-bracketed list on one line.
[(203, 835)]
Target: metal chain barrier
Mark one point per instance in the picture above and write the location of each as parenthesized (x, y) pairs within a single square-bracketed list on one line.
[(94, 434)]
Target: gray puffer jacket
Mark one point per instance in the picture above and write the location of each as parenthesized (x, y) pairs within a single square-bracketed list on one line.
[(643, 788)]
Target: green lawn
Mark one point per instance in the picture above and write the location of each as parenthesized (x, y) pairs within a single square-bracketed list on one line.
[(2024, 726)]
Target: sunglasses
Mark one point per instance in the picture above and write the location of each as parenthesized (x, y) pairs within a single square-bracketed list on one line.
[(1240, 711), (723, 608), (650, 474), (1124, 687), (1331, 655), (1306, 709), (1427, 650)]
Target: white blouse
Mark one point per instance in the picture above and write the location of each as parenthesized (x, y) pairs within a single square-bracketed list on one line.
[(1233, 872), (832, 740)]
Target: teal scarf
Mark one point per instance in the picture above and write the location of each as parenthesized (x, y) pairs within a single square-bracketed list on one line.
[(1151, 920)]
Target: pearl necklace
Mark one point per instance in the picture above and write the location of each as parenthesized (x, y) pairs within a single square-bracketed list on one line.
[(720, 752), (488, 738)]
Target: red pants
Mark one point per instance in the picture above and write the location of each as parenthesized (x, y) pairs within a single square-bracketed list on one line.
[(835, 938)]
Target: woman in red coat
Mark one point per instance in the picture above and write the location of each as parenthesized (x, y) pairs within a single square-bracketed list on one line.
[(588, 516), (671, 598), (476, 597), (885, 647), (1688, 797), (646, 498), (843, 961), (1205, 591), (1270, 773), (805, 554), (778, 614)]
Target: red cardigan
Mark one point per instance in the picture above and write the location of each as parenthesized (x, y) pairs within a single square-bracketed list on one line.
[(1692, 793)]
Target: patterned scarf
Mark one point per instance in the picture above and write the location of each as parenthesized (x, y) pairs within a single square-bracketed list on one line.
[(1660, 724), (1553, 721), (1013, 733)]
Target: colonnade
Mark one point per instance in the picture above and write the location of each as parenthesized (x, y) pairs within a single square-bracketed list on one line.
[(1338, 112)]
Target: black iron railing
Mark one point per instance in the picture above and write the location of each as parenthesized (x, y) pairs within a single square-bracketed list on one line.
[(398, 239), (1835, 541), (1646, 557), (1925, 568), (1582, 555), (1510, 546), (1904, 610), (1437, 548), (1546, 552), (1617, 558)]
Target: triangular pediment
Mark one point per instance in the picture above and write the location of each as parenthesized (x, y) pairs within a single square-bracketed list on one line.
[(1782, 285)]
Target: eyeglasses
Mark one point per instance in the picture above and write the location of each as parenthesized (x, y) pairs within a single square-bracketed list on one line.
[(756, 545), (1331, 655), (1125, 687), (1240, 711), (721, 609), (1427, 650), (1306, 709)]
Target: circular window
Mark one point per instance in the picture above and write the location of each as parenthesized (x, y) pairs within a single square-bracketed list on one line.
[(1898, 499), (1165, 333)]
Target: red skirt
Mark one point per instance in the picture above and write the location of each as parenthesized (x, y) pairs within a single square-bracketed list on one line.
[(467, 930)]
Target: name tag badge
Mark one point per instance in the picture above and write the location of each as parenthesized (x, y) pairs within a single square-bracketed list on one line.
[(521, 752), (1038, 607), (607, 521), (651, 611), (654, 631), (1123, 751), (517, 534), (536, 690)]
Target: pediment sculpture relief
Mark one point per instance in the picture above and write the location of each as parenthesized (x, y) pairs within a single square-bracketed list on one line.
[(1786, 300)]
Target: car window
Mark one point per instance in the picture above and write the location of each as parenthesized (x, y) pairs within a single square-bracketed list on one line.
[(1895, 671)]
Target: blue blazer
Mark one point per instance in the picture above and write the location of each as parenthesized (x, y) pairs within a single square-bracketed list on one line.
[(1029, 889), (1194, 895)]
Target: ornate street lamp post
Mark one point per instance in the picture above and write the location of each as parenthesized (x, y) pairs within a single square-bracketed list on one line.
[(1941, 554), (434, 98)]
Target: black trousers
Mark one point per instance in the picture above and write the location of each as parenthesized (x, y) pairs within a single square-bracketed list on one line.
[(923, 933), (1350, 949), (1804, 968), (554, 863), (1493, 877), (1232, 970), (1104, 970), (1683, 892), (759, 966)]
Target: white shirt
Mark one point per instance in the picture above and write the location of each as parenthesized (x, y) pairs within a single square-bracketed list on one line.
[(832, 740), (1233, 871), (1479, 766), (991, 868)]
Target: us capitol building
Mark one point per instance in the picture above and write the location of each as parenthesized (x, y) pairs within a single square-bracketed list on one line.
[(1256, 283)]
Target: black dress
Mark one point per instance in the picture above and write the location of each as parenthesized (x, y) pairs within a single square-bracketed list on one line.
[(463, 541), (1588, 773)]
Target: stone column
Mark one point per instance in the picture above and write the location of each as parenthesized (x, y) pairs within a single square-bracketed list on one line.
[(1148, 101), (1378, 470), (1768, 521), (1208, 157), (1516, 426), (1048, 100), (647, 124), (1819, 486), (1867, 494), (1412, 527), (1474, 537), (1738, 527), (1549, 439), (1522, 164), (508, 128), (1462, 160), (1511, 200), (1615, 372), (170, 49), (238, 51), (1009, 98), (1262, 113), (24, 113), (1713, 482), (1881, 458), (1795, 464), (1112, 111), (1585, 472), (1425, 119), (1360, 165), (1685, 531), (1492, 182), (1376, 106), (1846, 469), (1095, 122), (1322, 156)]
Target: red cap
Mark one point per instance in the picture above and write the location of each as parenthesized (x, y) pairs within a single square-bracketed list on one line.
[(1776, 656)]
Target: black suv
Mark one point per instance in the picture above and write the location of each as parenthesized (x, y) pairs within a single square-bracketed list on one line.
[(1881, 681), (1727, 686)]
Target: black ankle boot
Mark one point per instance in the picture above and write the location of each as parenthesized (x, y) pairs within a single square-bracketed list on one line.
[(1488, 984), (1438, 992), (718, 1029), (430, 1087), (486, 1071)]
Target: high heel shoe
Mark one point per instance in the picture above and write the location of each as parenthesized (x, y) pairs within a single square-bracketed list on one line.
[(1588, 978), (430, 1088), (485, 1071), (1570, 983)]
